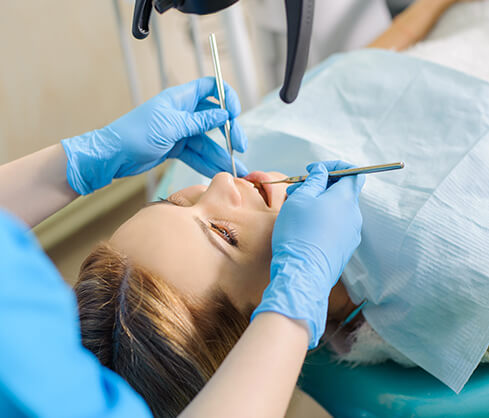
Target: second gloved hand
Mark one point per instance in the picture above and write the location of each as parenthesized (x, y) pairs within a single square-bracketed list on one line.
[(170, 125), (316, 233)]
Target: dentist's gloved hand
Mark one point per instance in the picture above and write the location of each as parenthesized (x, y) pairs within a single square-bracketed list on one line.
[(170, 125), (315, 234)]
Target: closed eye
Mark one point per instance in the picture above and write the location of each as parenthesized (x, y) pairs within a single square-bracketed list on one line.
[(179, 200), (175, 199), (226, 232), (159, 202)]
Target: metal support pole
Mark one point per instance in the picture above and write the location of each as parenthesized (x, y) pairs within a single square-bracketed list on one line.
[(129, 62), (156, 37), (199, 53), (151, 178), (134, 85), (244, 66)]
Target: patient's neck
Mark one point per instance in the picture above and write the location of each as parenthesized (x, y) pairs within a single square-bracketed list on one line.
[(340, 304)]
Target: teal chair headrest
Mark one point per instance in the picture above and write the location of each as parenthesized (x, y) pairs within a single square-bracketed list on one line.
[(390, 390)]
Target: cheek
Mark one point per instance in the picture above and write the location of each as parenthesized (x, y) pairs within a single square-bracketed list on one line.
[(256, 254), (259, 267), (260, 241)]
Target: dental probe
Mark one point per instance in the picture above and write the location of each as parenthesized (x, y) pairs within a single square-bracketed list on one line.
[(222, 96), (342, 173)]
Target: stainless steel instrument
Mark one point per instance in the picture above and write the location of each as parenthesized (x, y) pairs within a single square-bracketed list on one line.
[(222, 96), (342, 173)]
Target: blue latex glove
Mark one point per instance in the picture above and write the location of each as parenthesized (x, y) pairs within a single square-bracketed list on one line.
[(170, 125), (44, 369), (315, 234)]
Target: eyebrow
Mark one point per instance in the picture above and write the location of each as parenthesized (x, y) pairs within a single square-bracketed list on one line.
[(211, 236)]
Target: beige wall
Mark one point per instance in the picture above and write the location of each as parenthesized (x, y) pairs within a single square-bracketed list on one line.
[(62, 71)]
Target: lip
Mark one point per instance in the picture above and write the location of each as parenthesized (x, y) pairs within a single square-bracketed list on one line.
[(265, 190)]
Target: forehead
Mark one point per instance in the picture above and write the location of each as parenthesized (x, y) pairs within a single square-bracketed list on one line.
[(168, 241)]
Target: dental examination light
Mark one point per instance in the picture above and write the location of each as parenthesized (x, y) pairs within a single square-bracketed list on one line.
[(300, 15)]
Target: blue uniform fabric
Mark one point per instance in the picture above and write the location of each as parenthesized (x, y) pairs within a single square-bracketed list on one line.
[(44, 369)]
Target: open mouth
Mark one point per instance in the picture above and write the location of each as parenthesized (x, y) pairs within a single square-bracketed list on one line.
[(263, 189)]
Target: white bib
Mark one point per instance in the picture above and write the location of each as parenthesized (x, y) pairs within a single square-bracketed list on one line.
[(423, 263)]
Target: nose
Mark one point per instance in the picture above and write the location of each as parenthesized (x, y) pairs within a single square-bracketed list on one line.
[(223, 190)]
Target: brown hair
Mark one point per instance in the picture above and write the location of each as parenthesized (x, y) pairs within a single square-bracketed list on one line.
[(164, 344)]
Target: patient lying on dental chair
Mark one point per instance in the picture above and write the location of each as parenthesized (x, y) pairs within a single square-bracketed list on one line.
[(166, 298)]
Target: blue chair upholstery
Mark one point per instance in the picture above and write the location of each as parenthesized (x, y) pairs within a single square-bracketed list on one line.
[(390, 390)]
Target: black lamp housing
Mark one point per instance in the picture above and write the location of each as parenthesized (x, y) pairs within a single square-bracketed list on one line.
[(300, 15)]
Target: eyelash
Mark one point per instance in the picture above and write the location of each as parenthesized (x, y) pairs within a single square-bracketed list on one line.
[(227, 232), (175, 199)]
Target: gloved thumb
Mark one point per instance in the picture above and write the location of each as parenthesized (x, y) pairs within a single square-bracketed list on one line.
[(198, 123), (316, 182)]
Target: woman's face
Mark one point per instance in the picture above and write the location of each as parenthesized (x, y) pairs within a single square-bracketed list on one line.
[(216, 236), (207, 237)]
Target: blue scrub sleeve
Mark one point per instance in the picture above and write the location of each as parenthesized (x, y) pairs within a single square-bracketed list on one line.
[(44, 369)]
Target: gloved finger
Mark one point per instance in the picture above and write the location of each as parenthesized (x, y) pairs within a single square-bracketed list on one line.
[(197, 123), (239, 140), (207, 87), (341, 165), (177, 149), (209, 169), (198, 163), (360, 182), (309, 168), (316, 181), (346, 193), (241, 169), (348, 187), (332, 166), (292, 188), (206, 105), (206, 149)]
